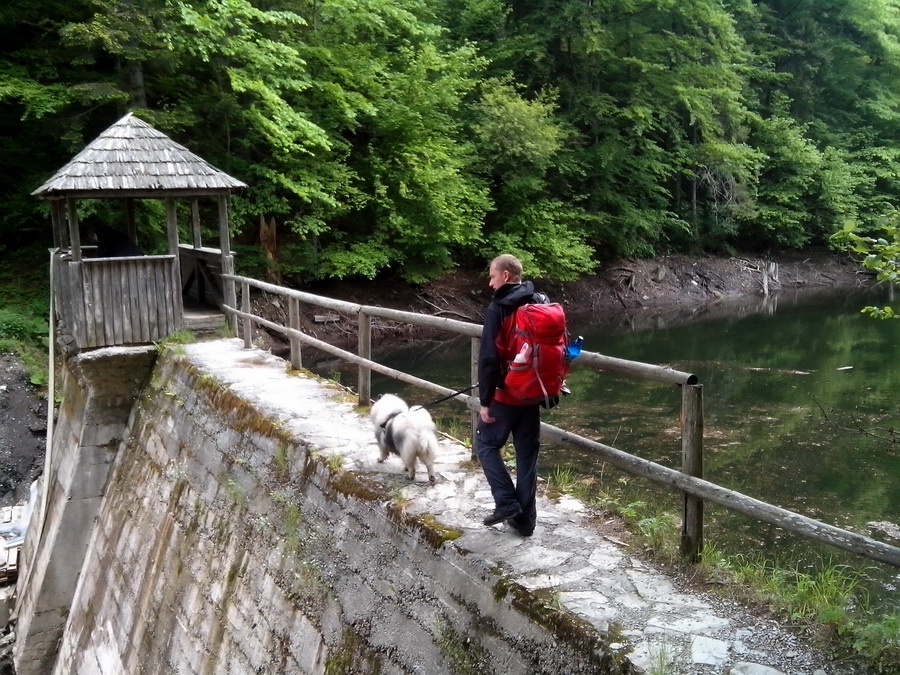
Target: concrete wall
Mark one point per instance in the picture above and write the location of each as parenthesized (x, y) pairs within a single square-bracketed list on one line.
[(99, 389), (225, 545)]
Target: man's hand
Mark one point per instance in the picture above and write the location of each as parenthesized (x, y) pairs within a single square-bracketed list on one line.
[(485, 415)]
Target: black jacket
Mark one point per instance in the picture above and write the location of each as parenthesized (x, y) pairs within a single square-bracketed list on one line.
[(506, 299)]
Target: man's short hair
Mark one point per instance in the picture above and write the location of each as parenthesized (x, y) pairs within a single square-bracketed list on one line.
[(508, 263)]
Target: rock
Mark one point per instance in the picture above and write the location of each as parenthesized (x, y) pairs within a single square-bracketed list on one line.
[(885, 530), (744, 668), (709, 651)]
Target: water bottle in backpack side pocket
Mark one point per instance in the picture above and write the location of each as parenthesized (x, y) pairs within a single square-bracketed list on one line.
[(573, 350), (523, 357)]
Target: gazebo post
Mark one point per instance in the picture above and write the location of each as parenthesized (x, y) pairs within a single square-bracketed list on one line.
[(57, 218), (227, 259), (172, 226), (172, 235), (195, 223), (74, 237)]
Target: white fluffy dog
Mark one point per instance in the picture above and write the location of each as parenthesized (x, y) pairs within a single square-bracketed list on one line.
[(406, 432)]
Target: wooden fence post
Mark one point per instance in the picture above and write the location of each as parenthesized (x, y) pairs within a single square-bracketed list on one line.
[(473, 378), (365, 351), (245, 307), (692, 465), (294, 322)]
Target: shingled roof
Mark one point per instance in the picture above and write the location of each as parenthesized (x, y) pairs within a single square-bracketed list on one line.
[(131, 158)]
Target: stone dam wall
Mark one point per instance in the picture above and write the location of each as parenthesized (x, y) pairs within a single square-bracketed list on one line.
[(230, 540)]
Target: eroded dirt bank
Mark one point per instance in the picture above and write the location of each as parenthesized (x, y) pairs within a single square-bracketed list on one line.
[(627, 294)]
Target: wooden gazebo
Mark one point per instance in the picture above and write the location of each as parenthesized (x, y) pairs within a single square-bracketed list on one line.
[(135, 300)]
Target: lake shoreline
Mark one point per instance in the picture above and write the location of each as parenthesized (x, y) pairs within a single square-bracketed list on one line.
[(623, 295)]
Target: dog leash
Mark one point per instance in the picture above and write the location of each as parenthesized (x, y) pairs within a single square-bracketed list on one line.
[(449, 396)]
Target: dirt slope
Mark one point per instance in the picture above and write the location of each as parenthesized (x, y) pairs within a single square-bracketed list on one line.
[(625, 293), (23, 431)]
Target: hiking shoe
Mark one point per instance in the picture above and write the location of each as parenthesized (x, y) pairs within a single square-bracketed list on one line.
[(499, 515), (518, 528)]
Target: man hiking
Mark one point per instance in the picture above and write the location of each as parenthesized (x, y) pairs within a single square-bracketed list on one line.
[(501, 414)]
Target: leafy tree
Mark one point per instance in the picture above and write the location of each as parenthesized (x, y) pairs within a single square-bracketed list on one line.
[(44, 90), (523, 145), (829, 78), (655, 93), (341, 116), (416, 135), (882, 254)]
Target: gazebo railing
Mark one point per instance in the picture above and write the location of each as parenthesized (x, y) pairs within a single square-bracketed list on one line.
[(104, 302)]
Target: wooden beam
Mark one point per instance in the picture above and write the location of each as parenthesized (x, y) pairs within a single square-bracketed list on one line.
[(692, 465), (172, 226), (227, 261), (74, 236), (57, 219), (195, 223), (364, 347), (224, 233)]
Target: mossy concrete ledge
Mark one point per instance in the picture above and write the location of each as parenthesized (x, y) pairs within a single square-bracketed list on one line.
[(247, 528)]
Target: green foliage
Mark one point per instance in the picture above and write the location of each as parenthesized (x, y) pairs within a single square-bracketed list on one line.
[(24, 331), (662, 658), (881, 254), (831, 595), (544, 236), (22, 328), (176, 340), (413, 136), (521, 143), (878, 641), (26, 336)]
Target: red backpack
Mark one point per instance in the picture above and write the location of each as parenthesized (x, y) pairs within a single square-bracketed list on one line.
[(533, 348)]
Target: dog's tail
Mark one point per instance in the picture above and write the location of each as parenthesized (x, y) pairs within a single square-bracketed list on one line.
[(421, 417)]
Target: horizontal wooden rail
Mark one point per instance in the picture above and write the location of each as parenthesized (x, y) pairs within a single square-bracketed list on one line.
[(351, 357), (768, 513), (591, 359), (645, 371)]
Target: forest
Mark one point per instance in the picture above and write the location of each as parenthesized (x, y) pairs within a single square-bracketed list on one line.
[(412, 137)]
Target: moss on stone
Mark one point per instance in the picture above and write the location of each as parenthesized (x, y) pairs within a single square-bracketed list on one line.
[(464, 656), (353, 485), (435, 532), (569, 629), (352, 655)]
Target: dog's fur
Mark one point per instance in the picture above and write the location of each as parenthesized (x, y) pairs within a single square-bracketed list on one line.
[(406, 432)]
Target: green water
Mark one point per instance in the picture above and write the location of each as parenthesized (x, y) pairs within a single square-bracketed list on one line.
[(801, 397), (800, 406)]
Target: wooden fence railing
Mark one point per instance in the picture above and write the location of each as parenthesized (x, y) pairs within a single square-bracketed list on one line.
[(689, 480)]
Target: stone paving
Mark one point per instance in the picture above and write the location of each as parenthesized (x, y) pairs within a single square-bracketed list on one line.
[(669, 629)]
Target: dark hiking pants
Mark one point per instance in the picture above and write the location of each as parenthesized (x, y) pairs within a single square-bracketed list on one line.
[(524, 423)]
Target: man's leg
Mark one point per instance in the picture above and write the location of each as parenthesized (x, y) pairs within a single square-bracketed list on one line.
[(526, 433), (489, 441)]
